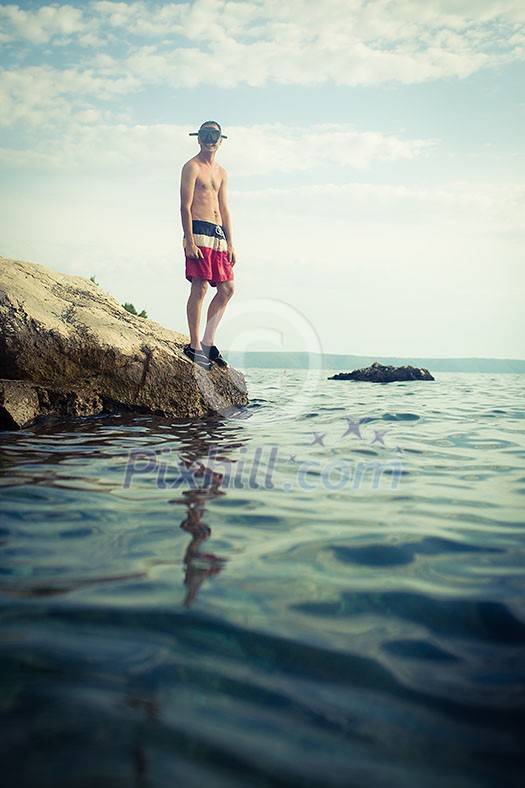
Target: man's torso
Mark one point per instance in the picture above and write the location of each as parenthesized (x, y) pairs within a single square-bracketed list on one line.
[(205, 204)]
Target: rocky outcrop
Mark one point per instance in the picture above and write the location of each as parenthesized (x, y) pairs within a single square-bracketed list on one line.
[(69, 348), (377, 373), (22, 402)]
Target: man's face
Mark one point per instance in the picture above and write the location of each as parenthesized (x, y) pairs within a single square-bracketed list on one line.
[(209, 138)]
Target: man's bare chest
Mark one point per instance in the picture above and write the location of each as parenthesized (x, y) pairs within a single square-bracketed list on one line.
[(208, 184)]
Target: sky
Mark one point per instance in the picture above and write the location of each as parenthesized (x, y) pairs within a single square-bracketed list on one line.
[(375, 160)]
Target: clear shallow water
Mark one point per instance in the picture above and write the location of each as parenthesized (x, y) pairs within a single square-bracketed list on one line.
[(327, 589)]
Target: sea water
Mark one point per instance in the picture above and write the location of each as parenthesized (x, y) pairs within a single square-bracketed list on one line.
[(323, 588)]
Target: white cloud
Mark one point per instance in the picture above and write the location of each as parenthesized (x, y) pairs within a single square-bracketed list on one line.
[(41, 25), (346, 43), (279, 148), (299, 42), (43, 96), (139, 18), (487, 208), (87, 144)]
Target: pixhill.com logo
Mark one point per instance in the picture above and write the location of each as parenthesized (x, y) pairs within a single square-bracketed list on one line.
[(275, 467)]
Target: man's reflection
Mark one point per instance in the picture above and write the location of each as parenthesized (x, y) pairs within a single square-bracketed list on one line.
[(198, 564)]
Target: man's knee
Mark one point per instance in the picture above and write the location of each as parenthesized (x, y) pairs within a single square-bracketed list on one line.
[(199, 287), (226, 290)]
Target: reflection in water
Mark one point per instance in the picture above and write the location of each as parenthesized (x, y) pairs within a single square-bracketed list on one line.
[(62, 467), (198, 564)]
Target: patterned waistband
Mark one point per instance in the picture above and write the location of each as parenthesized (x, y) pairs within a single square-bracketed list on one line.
[(207, 228)]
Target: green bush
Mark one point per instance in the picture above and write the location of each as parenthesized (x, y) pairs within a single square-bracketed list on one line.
[(130, 308)]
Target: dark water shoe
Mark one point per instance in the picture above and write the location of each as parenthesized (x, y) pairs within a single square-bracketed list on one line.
[(214, 354), (197, 356)]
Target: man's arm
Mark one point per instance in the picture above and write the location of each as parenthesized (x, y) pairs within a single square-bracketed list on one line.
[(187, 191), (225, 216)]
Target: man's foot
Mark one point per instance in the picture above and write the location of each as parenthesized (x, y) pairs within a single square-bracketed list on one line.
[(197, 356), (214, 354)]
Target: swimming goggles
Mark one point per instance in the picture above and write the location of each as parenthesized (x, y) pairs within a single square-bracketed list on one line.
[(208, 135)]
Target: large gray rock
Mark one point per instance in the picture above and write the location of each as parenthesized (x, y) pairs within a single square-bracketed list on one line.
[(69, 348), (379, 373)]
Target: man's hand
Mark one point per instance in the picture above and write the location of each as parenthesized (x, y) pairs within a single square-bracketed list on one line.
[(232, 259), (192, 250)]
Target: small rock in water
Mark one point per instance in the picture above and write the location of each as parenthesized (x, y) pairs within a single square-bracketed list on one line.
[(379, 373)]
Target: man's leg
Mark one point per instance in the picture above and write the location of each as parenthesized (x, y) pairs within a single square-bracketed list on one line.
[(193, 309), (216, 311)]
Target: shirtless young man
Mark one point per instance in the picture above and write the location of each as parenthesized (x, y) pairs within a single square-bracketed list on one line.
[(208, 247)]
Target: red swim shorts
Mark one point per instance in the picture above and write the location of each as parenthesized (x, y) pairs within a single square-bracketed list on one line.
[(215, 266)]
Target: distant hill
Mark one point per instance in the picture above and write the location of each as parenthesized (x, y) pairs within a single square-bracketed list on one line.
[(342, 363)]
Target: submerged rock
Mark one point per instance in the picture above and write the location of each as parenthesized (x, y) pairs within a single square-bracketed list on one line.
[(68, 348), (378, 373)]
